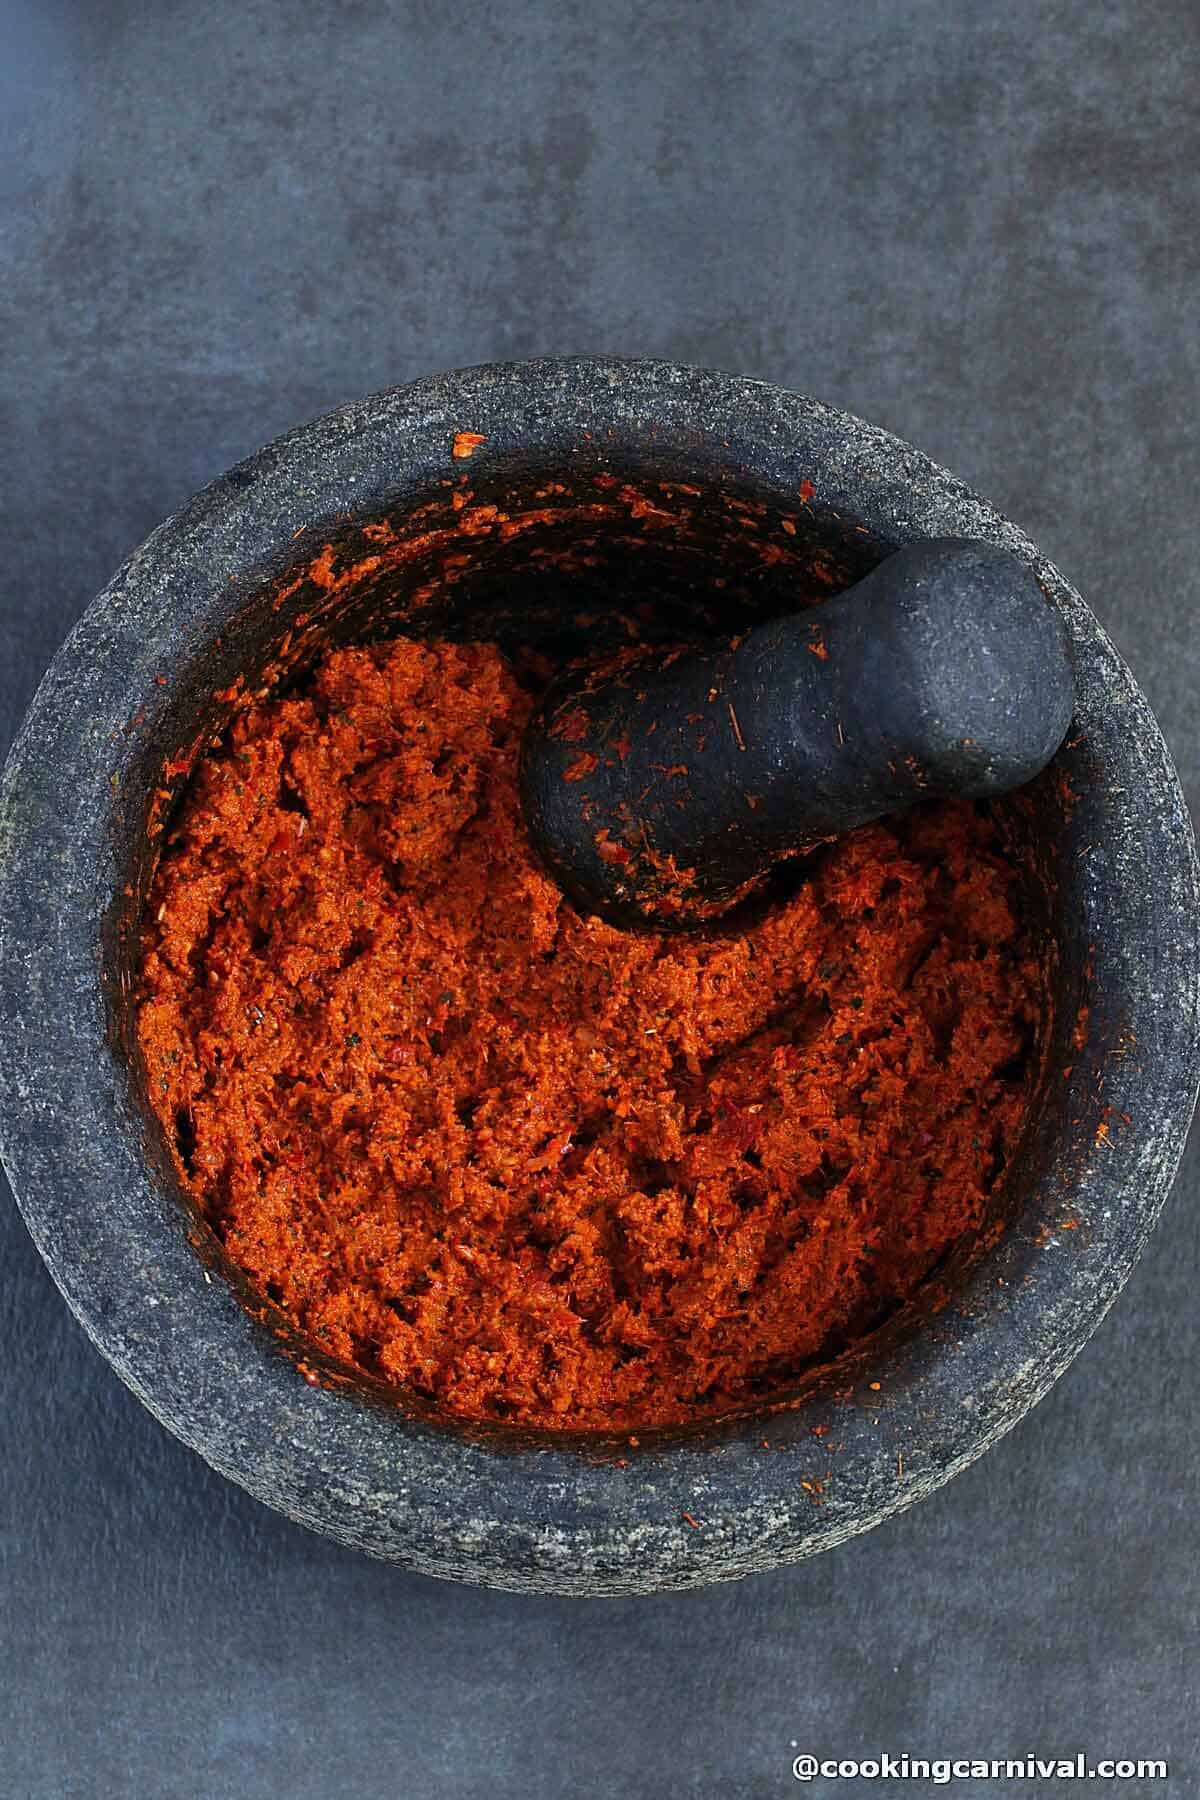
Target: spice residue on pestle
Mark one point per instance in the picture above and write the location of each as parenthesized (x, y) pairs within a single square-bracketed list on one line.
[(523, 1163)]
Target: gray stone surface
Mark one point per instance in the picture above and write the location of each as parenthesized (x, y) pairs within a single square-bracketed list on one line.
[(976, 229)]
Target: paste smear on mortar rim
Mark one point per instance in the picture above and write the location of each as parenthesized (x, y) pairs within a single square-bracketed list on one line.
[(528, 1166)]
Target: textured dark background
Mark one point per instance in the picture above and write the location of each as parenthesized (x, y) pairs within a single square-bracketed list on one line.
[(974, 224)]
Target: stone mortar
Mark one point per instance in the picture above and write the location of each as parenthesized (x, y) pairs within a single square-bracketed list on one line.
[(593, 464)]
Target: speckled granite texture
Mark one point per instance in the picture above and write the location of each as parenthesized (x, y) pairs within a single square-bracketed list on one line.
[(974, 229)]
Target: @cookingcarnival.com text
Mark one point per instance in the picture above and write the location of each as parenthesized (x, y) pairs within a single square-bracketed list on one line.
[(943, 1770)]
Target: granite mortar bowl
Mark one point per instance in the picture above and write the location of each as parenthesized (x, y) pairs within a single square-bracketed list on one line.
[(728, 499)]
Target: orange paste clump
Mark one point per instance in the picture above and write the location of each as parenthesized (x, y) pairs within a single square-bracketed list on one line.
[(519, 1162)]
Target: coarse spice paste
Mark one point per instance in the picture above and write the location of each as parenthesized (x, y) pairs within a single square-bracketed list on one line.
[(524, 1164)]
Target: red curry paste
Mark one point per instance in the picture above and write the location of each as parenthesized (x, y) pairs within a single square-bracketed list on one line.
[(523, 1163)]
